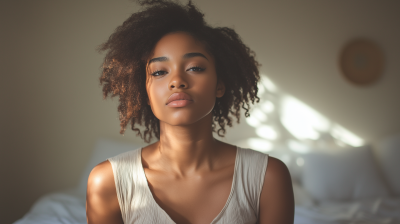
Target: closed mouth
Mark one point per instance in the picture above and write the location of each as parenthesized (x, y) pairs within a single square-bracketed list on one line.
[(178, 96)]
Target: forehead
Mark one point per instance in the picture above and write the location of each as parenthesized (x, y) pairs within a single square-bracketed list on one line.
[(177, 44)]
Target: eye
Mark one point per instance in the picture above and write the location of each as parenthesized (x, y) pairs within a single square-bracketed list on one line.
[(158, 73), (196, 69)]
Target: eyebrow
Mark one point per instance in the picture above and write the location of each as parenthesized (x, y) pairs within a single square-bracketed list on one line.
[(188, 55), (191, 55)]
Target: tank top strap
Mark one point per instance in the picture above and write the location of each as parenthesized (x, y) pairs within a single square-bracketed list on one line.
[(250, 177), (134, 196), (127, 177)]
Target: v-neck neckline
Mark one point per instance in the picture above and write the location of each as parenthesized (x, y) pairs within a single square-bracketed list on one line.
[(143, 175)]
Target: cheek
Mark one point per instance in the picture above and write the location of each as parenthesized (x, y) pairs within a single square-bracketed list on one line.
[(206, 90), (154, 97), (207, 85)]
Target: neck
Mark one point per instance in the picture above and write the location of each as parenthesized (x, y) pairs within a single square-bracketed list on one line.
[(187, 149)]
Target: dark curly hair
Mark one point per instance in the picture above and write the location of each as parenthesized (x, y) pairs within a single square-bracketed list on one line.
[(129, 47)]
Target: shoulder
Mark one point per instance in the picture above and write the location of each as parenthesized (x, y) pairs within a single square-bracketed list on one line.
[(276, 200), (101, 179), (101, 198), (277, 172)]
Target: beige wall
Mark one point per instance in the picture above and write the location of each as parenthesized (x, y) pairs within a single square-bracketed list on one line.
[(52, 110)]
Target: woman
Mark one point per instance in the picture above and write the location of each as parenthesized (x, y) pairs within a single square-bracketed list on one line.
[(180, 78)]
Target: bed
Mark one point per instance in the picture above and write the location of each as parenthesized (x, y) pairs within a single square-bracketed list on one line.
[(353, 186)]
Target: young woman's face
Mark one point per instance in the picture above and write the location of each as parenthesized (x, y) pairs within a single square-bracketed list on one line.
[(182, 83)]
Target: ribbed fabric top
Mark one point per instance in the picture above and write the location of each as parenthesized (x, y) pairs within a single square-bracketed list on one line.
[(138, 205)]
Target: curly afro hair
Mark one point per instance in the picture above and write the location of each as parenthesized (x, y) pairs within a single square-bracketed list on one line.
[(129, 47)]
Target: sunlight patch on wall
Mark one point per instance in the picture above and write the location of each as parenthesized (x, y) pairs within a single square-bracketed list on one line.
[(267, 132), (298, 147), (282, 120), (268, 84), (346, 136), (260, 144), (301, 120), (252, 121), (257, 144), (259, 115), (267, 106)]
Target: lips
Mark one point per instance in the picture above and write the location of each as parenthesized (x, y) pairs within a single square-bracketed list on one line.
[(179, 96)]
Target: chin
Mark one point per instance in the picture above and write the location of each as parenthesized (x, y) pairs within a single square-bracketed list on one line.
[(186, 119), (182, 122)]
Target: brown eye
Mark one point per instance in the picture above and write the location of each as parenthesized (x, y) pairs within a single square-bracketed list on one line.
[(196, 69), (158, 73)]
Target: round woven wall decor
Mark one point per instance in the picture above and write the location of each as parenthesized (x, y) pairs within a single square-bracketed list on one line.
[(361, 62)]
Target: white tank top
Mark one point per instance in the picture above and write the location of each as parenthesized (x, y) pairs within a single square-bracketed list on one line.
[(138, 205)]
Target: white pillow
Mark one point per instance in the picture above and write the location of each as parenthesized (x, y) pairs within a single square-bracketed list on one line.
[(388, 153), (104, 149), (348, 174)]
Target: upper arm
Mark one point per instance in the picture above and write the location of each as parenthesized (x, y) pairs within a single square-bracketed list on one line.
[(101, 197), (276, 199)]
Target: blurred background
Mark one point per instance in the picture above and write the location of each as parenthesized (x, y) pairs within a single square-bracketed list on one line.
[(52, 111)]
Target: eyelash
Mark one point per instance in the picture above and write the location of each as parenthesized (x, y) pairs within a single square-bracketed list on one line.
[(197, 68), (158, 71)]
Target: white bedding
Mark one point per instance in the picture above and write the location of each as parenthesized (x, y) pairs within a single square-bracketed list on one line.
[(62, 207), (69, 208), (378, 211)]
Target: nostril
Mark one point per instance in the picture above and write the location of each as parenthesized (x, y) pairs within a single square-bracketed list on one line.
[(178, 86)]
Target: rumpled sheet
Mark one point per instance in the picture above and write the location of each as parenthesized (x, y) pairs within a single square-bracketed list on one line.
[(374, 211), (69, 208), (66, 207)]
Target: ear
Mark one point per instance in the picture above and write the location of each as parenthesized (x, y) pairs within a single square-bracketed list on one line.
[(220, 89)]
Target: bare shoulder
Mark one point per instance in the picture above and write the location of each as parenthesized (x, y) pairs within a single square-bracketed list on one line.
[(101, 197), (276, 200), (277, 172), (101, 178)]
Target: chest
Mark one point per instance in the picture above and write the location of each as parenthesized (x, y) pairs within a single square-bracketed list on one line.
[(195, 199)]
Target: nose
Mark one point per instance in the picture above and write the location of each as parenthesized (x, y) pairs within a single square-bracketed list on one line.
[(178, 81)]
